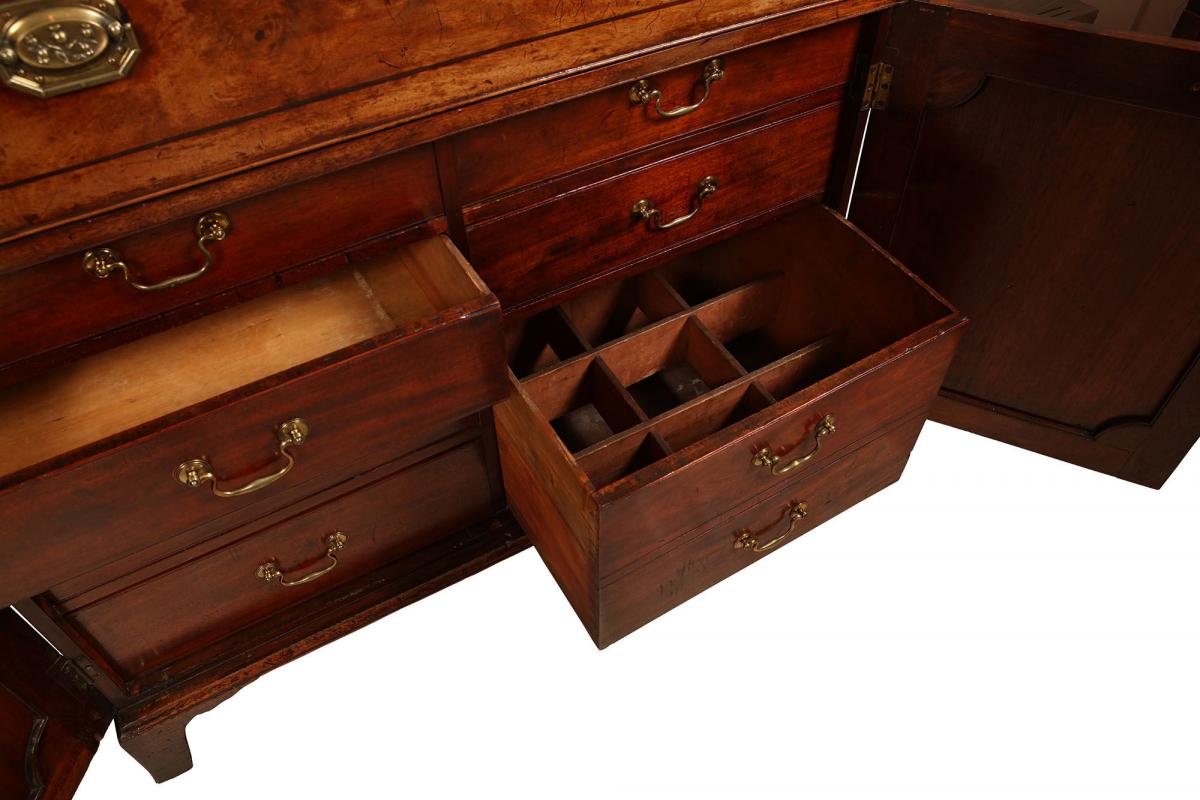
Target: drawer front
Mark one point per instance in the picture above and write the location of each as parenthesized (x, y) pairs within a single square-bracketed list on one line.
[(529, 148), (588, 232), (731, 475), (208, 595), (361, 412), (59, 303), (687, 568)]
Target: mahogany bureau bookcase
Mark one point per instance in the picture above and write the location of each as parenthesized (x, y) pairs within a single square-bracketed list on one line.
[(310, 310)]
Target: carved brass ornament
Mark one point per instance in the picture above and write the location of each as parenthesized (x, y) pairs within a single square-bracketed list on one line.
[(197, 471), (766, 457), (49, 48), (646, 210), (104, 261), (745, 540), (270, 571)]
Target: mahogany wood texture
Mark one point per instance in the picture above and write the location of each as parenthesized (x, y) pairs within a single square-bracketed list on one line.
[(367, 401), (1046, 179), (588, 229), (141, 623), (58, 304), (281, 81), (51, 720), (699, 560), (597, 127), (603, 466)]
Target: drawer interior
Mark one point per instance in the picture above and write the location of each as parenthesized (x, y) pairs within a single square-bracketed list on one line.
[(118, 390), (630, 373)]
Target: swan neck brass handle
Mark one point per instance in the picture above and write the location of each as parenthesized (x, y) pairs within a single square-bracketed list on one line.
[(643, 93), (646, 210), (192, 473), (104, 261), (767, 457), (270, 571), (745, 540)]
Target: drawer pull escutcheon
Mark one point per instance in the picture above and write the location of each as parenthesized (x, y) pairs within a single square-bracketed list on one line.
[(269, 570), (642, 93), (104, 261), (197, 471), (645, 209), (767, 458), (746, 540)]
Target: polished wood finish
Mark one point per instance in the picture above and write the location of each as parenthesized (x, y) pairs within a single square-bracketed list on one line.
[(614, 449), (1048, 175), (419, 305), (51, 719), (581, 233)]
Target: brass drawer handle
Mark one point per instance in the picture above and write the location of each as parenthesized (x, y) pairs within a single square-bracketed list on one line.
[(641, 93), (197, 471), (269, 570), (747, 541), (645, 209), (767, 457), (104, 261)]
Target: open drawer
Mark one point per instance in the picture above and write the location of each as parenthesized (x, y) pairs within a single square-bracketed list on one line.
[(643, 410), (240, 412)]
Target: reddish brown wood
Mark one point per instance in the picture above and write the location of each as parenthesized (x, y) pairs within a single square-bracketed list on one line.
[(1044, 177), (701, 559), (580, 234), (51, 719), (565, 137), (609, 506), (58, 304), (364, 404)]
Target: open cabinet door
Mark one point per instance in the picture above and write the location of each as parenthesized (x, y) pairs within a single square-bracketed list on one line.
[(51, 718), (1046, 179)]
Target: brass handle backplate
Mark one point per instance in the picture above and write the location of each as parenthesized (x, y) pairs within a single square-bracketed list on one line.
[(270, 570), (745, 540), (646, 210), (642, 93), (104, 261), (768, 458), (51, 47), (197, 471)]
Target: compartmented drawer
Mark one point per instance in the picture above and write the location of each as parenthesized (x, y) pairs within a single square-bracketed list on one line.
[(697, 561), (184, 604), (645, 409), (87, 294), (564, 137), (575, 233), (240, 411)]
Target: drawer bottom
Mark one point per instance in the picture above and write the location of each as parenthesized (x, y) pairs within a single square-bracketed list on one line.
[(633, 597)]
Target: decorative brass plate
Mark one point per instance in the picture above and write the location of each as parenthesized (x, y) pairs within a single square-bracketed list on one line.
[(50, 48)]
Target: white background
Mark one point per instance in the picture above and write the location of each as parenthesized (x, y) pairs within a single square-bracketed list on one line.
[(997, 624)]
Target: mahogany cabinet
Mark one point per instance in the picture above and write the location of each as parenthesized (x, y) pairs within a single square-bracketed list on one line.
[(656, 287)]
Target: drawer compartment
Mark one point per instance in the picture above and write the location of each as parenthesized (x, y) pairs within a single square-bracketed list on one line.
[(698, 561), (113, 453), (186, 603), (643, 410), (582, 232), (59, 303), (530, 148)]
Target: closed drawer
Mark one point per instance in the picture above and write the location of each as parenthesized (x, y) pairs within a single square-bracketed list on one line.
[(699, 560), (565, 137), (185, 604), (645, 409), (60, 302), (586, 231), (110, 455)]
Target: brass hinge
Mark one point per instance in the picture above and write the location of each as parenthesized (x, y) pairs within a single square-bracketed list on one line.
[(879, 86)]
